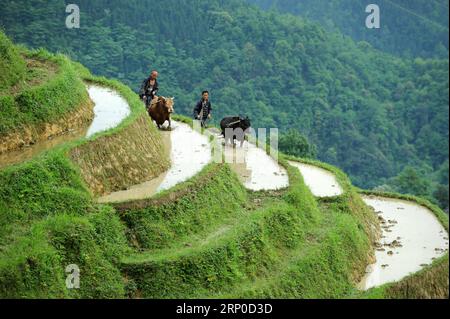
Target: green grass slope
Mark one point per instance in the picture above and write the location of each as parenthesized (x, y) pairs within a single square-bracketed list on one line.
[(329, 260), (249, 250), (12, 66), (200, 204), (50, 220), (207, 237), (368, 112), (40, 91)]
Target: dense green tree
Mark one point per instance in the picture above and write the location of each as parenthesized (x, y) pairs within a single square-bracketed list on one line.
[(293, 143), (410, 181)]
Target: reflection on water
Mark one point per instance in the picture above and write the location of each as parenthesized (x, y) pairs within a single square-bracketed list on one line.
[(190, 151), (412, 237), (321, 182), (237, 159), (109, 111), (257, 170), (27, 153)]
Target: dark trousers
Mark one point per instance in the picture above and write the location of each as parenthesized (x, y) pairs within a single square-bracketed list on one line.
[(203, 121)]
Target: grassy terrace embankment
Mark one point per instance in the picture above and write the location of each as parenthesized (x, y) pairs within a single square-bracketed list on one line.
[(331, 258), (48, 215), (41, 95), (430, 282), (130, 154), (12, 66), (207, 237), (276, 244)]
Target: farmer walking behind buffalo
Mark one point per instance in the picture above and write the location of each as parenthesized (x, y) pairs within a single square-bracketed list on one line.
[(202, 110), (149, 89)]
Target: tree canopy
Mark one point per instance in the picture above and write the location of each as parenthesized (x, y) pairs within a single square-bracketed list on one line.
[(407, 27)]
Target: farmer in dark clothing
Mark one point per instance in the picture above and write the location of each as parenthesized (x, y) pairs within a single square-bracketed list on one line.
[(149, 89), (203, 109)]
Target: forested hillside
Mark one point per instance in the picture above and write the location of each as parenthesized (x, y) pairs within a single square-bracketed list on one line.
[(370, 113), (408, 27)]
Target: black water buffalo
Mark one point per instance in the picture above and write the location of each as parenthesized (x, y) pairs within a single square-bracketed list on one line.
[(238, 127)]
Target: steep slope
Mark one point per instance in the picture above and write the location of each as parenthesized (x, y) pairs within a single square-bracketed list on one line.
[(262, 233), (369, 113), (12, 66), (48, 218), (41, 96), (206, 237)]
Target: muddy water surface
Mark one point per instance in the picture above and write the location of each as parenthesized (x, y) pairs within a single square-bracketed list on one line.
[(190, 151), (110, 109), (321, 182), (256, 169), (412, 237)]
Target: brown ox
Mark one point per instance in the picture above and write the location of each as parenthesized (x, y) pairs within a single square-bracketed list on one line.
[(161, 110)]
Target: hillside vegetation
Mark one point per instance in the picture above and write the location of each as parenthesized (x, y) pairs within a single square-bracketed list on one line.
[(410, 28), (370, 113), (48, 216), (41, 96), (12, 66), (187, 243), (50, 90)]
